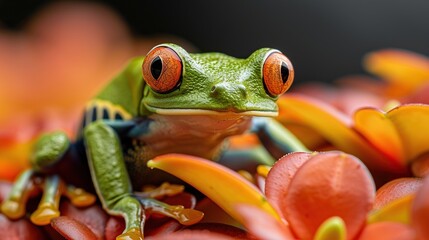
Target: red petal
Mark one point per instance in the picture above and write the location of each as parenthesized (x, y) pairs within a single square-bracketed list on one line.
[(262, 225), (221, 228), (92, 217), (72, 229), (114, 227), (420, 211), (329, 184), (20, 229), (192, 235), (279, 177)]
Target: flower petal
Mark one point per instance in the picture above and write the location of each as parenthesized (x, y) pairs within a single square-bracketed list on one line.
[(280, 176), (409, 121), (217, 182), (72, 229), (192, 235), (396, 189), (329, 184), (19, 229), (403, 69), (389, 231), (262, 225), (336, 128), (381, 132), (93, 217), (397, 210), (420, 211), (225, 229)]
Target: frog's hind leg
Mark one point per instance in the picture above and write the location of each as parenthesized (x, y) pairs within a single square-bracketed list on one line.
[(111, 179)]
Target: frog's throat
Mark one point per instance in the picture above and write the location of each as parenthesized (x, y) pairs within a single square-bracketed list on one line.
[(184, 111)]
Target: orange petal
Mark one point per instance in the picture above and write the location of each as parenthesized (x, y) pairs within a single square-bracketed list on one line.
[(280, 176), (380, 131), (329, 184), (397, 210), (403, 69), (336, 128), (411, 121), (420, 211), (262, 225), (389, 231), (396, 189)]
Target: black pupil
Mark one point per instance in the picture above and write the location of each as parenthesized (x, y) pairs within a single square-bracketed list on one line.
[(285, 72), (156, 67)]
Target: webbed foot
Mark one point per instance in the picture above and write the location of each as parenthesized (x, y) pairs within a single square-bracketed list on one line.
[(52, 187), (131, 234)]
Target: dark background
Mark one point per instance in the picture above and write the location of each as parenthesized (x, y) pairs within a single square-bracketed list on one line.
[(324, 39)]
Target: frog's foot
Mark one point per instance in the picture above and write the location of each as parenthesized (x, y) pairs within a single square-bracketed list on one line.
[(53, 188), (131, 234), (14, 205), (166, 189), (185, 216)]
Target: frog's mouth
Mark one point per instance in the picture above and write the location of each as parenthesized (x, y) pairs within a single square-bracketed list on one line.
[(190, 111)]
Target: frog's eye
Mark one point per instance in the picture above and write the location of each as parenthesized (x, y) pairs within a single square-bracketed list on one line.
[(277, 74), (162, 69)]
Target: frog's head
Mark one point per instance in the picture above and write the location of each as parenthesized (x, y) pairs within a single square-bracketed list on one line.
[(180, 83)]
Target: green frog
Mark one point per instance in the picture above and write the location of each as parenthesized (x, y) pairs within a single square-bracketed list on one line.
[(169, 101)]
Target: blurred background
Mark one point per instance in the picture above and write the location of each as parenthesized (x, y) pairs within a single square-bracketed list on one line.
[(57, 54), (325, 39)]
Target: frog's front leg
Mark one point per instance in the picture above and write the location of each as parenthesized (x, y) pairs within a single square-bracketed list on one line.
[(276, 141), (48, 150), (110, 178)]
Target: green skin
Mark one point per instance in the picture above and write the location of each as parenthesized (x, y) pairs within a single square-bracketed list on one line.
[(217, 92)]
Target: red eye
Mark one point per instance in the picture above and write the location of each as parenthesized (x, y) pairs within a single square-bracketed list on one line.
[(277, 74), (162, 69)]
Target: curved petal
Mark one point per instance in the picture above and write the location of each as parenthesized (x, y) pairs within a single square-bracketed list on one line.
[(397, 210), (329, 184), (410, 121), (396, 189), (380, 131), (420, 211), (72, 229), (225, 229), (280, 176), (404, 70), (93, 217), (222, 185), (262, 225), (192, 235), (337, 129), (389, 231)]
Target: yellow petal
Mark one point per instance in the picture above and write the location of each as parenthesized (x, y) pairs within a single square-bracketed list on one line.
[(333, 228), (404, 70), (398, 210), (380, 131), (411, 124), (222, 185), (337, 129)]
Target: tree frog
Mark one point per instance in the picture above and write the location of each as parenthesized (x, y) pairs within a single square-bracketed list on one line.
[(169, 101)]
